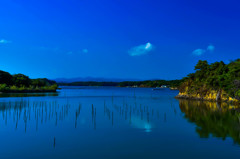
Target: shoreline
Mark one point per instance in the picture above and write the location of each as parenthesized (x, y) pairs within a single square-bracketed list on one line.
[(171, 88), (187, 97)]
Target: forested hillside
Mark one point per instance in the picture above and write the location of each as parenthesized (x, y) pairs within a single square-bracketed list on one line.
[(216, 81)]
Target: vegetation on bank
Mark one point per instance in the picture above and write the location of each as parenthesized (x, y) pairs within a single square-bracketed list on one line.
[(154, 83), (218, 81), (19, 83)]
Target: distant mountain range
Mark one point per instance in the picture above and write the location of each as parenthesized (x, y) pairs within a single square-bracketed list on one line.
[(93, 79)]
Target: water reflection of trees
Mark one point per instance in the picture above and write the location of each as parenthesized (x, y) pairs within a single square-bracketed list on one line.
[(218, 120)]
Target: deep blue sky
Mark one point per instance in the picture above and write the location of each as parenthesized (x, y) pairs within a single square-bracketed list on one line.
[(141, 39)]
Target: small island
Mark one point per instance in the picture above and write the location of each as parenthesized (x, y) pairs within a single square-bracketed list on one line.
[(20, 83), (214, 82)]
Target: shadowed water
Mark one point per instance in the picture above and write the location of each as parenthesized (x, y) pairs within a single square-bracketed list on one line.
[(111, 122)]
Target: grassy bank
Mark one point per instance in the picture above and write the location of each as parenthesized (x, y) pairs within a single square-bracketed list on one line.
[(13, 89)]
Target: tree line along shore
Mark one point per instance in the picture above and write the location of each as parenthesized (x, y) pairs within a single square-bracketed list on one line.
[(149, 83), (20, 83), (216, 82)]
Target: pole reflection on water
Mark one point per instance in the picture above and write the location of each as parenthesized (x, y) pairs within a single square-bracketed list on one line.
[(42, 111), (134, 114), (210, 118)]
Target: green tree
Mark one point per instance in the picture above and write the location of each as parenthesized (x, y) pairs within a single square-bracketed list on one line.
[(21, 80), (201, 65), (5, 78)]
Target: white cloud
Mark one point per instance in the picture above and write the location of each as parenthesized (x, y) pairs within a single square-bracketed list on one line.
[(140, 50), (85, 50), (210, 48), (3, 41), (198, 52)]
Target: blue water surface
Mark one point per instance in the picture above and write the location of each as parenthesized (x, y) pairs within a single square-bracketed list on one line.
[(113, 122)]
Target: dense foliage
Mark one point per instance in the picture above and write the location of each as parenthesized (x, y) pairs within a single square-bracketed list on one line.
[(22, 83), (217, 76)]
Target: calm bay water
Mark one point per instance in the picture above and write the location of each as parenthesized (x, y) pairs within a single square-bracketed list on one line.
[(111, 122)]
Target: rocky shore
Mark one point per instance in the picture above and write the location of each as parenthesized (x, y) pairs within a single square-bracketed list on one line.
[(210, 95)]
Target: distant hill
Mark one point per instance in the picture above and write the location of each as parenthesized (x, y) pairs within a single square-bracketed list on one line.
[(93, 79)]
